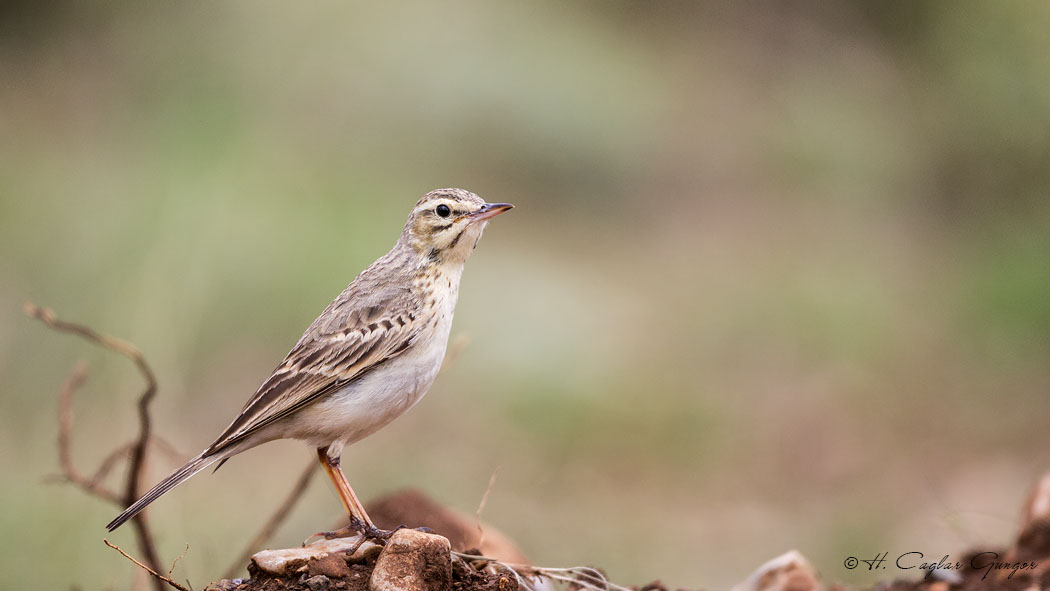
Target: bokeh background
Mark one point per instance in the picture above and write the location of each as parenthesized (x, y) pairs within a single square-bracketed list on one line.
[(779, 275)]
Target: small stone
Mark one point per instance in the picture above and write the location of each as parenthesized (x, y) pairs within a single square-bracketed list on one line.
[(787, 572), (333, 566), (1037, 507), (412, 508), (317, 583), (943, 575), (285, 562), (413, 561), (1033, 543)]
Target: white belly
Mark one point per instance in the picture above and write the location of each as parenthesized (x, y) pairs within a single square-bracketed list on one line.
[(376, 398)]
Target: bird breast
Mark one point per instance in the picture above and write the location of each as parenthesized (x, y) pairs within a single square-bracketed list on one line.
[(382, 394)]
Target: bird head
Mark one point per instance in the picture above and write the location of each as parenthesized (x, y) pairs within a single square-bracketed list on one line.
[(446, 224)]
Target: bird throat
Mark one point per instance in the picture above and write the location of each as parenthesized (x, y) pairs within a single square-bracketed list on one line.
[(437, 286)]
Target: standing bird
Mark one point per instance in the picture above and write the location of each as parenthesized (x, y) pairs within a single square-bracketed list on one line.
[(370, 356)]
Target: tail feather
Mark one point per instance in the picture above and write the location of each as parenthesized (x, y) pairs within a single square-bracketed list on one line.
[(178, 477)]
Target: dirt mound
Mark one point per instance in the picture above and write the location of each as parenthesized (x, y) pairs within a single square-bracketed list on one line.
[(412, 565), (416, 561)]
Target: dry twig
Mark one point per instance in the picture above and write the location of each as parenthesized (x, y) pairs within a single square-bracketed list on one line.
[(166, 447), (92, 485), (157, 576), (137, 463), (275, 521), (481, 506), (109, 462), (176, 561)]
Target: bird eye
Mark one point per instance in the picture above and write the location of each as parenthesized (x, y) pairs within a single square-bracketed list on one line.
[(443, 210)]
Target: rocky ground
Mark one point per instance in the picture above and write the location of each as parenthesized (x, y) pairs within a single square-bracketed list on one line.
[(461, 559), (409, 561)]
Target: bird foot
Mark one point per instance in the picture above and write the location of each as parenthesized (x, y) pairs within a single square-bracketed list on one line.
[(368, 531), (381, 536)]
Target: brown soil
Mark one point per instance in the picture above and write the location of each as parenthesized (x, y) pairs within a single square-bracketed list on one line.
[(339, 573), (1026, 566), (1023, 567), (1008, 576)]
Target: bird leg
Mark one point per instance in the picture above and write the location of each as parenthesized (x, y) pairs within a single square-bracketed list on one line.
[(346, 493), (359, 520)]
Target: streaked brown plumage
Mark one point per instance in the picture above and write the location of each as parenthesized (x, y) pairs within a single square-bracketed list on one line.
[(371, 355)]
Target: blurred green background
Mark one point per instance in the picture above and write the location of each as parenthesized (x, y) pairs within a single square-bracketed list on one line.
[(779, 275)]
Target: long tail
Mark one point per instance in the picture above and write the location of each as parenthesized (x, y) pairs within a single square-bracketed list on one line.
[(181, 475)]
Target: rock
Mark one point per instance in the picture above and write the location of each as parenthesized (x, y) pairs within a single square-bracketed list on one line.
[(414, 509), (1033, 541), (317, 583), (413, 561), (332, 566), (287, 561), (787, 572), (1037, 507)]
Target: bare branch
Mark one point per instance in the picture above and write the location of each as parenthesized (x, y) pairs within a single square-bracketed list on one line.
[(93, 485), (109, 462), (275, 520), (140, 447), (169, 450), (176, 561), (152, 572)]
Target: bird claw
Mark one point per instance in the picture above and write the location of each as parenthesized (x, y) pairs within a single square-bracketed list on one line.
[(366, 531), (354, 528), (382, 536), (422, 529), (317, 537)]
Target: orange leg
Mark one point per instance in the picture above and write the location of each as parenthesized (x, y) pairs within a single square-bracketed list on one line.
[(342, 486)]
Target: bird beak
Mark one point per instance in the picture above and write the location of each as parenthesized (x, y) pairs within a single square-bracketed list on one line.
[(488, 211)]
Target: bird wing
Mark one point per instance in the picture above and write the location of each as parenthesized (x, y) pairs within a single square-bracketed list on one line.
[(352, 336)]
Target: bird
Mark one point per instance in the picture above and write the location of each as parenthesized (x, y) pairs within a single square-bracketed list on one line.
[(370, 356)]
